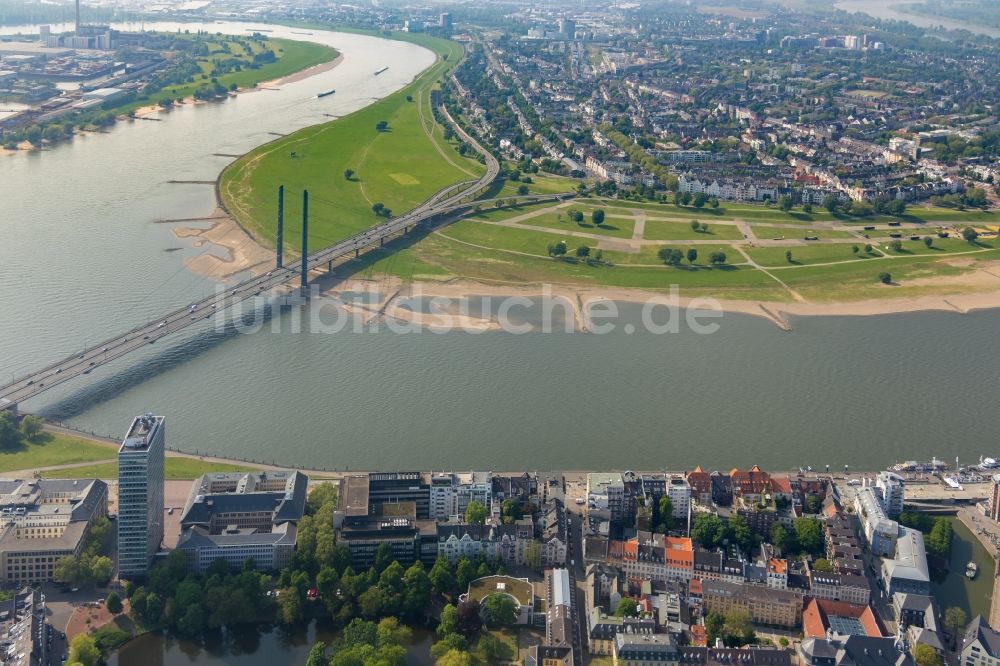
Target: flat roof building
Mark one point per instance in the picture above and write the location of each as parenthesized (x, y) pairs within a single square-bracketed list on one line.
[(140, 495), (43, 520), (240, 516)]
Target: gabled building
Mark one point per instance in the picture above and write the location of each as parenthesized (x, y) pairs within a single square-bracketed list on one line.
[(980, 645), (853, 651)]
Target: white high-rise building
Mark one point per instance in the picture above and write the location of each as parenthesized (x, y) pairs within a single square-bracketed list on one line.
[(891, 489), (140, 495), (679, 492), (450, 494)]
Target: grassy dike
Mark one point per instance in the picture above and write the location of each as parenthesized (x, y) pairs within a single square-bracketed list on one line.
[(399, 167)]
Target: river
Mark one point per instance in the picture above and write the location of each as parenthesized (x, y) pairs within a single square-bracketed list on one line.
[(891, 10), (82, 258)]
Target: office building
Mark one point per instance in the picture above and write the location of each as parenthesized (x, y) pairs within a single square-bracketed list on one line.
[(44, 520), (140, 495), (445, 21), (239, 516), (567, 28)]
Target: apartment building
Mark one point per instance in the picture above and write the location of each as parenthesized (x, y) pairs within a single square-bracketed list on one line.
[(780, 608)]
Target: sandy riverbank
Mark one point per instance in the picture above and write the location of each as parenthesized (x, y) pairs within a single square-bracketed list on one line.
[(239, 252)]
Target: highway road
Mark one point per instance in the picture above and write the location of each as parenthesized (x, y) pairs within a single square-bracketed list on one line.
[(449, 199)]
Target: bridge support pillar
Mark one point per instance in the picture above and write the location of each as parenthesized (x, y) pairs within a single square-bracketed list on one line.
[(329, 266), (304, 279), (281, 227), (381, 242), (357, 252)]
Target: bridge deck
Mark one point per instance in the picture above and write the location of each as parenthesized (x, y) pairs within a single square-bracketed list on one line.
[(82, 363)]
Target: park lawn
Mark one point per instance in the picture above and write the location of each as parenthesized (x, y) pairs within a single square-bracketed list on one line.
[(735, 282), (647, 254), (491, 236), (768, 231), (52, 448), (774, 257), (940, 246), (858, 280), (934, 214), (399, 167), (658, 230), (175, 468), (540, 184), (293, 56), (499, 214), (559, 221)]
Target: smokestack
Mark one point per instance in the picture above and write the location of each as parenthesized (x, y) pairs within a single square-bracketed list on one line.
[(77, 17)]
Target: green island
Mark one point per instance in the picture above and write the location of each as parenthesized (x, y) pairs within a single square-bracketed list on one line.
[(391, 156)]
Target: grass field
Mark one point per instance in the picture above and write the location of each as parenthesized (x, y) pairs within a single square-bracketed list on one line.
[(175, 468), (54, 449), (657, 230), (559, 221), (400, 167), (293, 56)]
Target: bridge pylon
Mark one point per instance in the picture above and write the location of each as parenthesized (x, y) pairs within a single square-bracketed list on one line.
[(281, 226), (305, 242)]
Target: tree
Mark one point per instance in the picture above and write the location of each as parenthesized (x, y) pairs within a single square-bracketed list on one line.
[(500, 610), (10, 435), (317, 655), (807, 208), (469, 620), (665, 509), (378, 207), (416, 590), (955, 619), (695, 226), (557, 249), (522, 190), (454, 658), (855, 249), (896, 245), (700, 200), (101, 568), (381, 126), (717, 258), (83, 650), (31, 427), (511, 510), (576, 216), (928, 242), (192, 622), (627, 607), (782, 539), (885, 278), (785, 203), (597, 217), (868, 248), (740, 532), (348, 174), (925, 655), (708, 530), (692, 255), (809, 532), (464, 573), (34, 135), (831, 204), (970, 234), (822, 565), (440, 575), (583, 251), (475, 513), (448, 623), (114, 603), (788, 256)]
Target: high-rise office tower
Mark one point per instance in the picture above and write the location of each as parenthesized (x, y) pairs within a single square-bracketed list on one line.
[(140, 495)]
